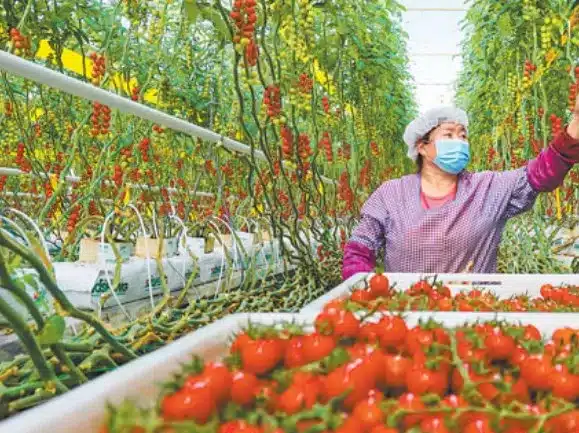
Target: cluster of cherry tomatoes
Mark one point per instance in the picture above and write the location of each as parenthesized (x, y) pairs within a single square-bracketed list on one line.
[(556, 124), (345, 152), (144, 148), (304, 149), (73, 218), (272, 101), (345, 192), (100, 119), (244, 17), (326, 104), (20, 43), (325, 144), (423, 296), (529, 69), (374, 149), (305, 84), (117, 176), (287, 141), (98, 68), (364, 176), (135, 93), (21, 161), (573, 89), (353, 375)]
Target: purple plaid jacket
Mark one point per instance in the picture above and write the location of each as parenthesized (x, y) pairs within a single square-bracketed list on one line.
[(446, 239)]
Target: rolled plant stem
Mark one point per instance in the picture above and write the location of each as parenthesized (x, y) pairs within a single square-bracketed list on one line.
[(57, 294), (21, 329), (33, 400), (75, 372), (21, 294)]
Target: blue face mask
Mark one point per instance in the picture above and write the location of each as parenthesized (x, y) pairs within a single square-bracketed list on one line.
[(452, 156)]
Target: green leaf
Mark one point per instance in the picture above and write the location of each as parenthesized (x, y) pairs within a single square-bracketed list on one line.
[(52, 331), (335, 359), (505, 26), (191, 9), (14, 262), (38, 248), (30, 281), (217, 20), (341, 27)]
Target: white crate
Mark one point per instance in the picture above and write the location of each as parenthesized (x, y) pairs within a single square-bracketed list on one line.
[(84, 409), (503, 285)]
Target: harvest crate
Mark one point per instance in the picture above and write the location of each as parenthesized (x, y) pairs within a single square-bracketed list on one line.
[(503, 285), (83, 409)]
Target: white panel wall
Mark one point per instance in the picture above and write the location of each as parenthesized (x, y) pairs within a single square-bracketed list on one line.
[(433, 33)]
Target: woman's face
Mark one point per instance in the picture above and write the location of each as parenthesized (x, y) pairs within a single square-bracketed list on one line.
[(447, 130)]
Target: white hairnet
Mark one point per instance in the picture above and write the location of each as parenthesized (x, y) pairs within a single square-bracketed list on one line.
[(420, 126)]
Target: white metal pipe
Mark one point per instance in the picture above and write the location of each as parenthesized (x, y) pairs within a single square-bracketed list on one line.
[(21, 194), (433, 54), (7, 171), (434, 84), (435, 9), (40, 74)]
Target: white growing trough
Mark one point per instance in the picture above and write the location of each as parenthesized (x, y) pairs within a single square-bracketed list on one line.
[(84, 409), (503, 285)]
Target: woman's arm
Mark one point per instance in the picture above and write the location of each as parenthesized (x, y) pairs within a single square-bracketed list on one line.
[(543, 174), (360, 251), (548, 170), (368, 237)]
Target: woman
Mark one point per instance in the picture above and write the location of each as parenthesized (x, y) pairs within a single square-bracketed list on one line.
[(444, 219)]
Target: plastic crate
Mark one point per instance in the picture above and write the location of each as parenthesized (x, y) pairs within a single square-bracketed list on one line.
[(503, 285), (83, 409)]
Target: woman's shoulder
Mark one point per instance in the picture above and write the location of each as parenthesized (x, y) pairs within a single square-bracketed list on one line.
[(399, 183), (394, 188), (494, 176), (495, 180)]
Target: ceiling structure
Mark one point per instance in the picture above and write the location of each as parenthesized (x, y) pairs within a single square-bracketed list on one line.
[(434, 35)]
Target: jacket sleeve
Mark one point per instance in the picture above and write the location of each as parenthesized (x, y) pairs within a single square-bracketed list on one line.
[(542, 174), (548, 170), (358, 255), (368, 237)]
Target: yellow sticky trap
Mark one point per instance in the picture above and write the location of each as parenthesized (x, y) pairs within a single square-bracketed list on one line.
[(53, 181), (127, 196), (73, 62), (70, 60), (348, 107), (40, 154), (36, 114), (321, 78), (551, 56)]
